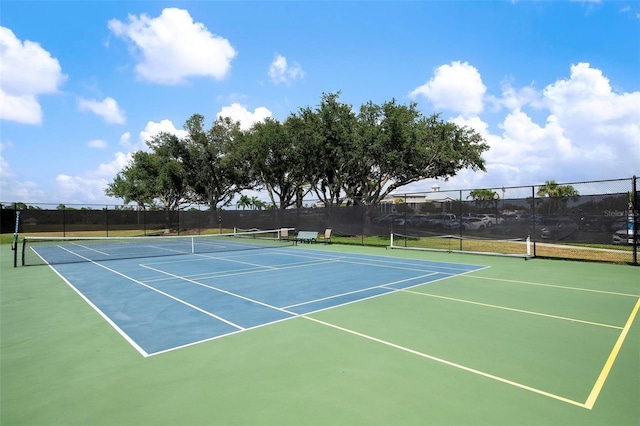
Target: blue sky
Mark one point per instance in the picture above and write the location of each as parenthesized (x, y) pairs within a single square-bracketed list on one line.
[(554, 87)]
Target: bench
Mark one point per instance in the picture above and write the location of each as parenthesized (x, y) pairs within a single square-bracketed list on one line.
[(306, 237)]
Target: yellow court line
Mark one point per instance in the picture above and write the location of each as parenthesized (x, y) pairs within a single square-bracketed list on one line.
[(451, 364), (514, 310), (549, 285), (593, 396)]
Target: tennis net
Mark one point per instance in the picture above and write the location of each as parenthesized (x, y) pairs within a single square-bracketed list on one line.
[(57, 250), (518, 247)]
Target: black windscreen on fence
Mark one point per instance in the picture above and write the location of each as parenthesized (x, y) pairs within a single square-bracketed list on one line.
[(561, 220)]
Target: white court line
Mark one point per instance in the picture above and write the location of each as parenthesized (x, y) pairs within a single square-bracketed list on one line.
[(449, 363), (234, 273), (293, 314), (160, 291), (405, 266), (588, 290), (383, 286), (234, 261), (103, 315), (239, 296), (384, 260), (296, 315), (488, 305), (108, 254), (84, 247), (431, 357)]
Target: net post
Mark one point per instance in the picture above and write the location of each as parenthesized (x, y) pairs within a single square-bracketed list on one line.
[(24, 249), (14, 244), (528, 245), (193, 245), (391, 240)]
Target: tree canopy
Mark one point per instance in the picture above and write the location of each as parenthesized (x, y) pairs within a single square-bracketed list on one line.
[(339, 154)]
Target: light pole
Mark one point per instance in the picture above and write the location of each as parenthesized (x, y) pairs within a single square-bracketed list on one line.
[(496, 197)]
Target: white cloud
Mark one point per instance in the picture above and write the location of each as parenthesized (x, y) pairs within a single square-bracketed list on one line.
[(456, 87), (12, 188), (89, 186), (97, 143), (5, 170), (153, 128), (281, 72), (513, 98), (108, 109), (603, 125), (172, 47), (237, 112), (80, 190), (27, 71), (588, 132), (110, 170), (125, 139)]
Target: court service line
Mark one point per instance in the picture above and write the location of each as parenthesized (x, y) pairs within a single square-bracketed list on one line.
[(84, 247), (344, 259), (256, 270), (231, 260), (221, 290), (523, 311), (402, 268), (162, 292), (555, 286), (293, 315), (387, 260), (449, 363), (383, 286), (593, 396)]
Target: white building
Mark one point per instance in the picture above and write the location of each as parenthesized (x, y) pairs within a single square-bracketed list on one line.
[(436, 198)]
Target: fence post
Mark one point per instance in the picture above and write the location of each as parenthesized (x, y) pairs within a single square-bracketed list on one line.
[(634, 224), (533, 218), (460, 217)]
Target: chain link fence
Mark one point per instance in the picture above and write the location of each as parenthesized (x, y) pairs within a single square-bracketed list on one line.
[(595, 220)]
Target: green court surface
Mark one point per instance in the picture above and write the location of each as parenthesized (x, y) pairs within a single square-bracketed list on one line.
[(537, 342)]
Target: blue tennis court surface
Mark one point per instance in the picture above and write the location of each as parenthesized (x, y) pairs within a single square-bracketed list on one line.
[(163, 303)]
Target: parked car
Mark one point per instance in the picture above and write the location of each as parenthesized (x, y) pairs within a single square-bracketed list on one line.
[(393, 217), (417, 219), (473, 224), (442, 220), (446, 220), (558, 229), (622, 237), (490, 219), (465, 216), (510, 216)]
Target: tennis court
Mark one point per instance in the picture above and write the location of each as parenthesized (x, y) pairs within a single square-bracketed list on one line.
[(315, 334)]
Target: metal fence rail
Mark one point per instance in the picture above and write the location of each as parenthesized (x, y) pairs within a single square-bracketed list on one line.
[(597, 222)]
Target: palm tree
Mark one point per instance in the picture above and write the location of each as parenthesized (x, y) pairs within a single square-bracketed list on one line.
[(558, 195), (484, 197), (243, 202), (257, 203)]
